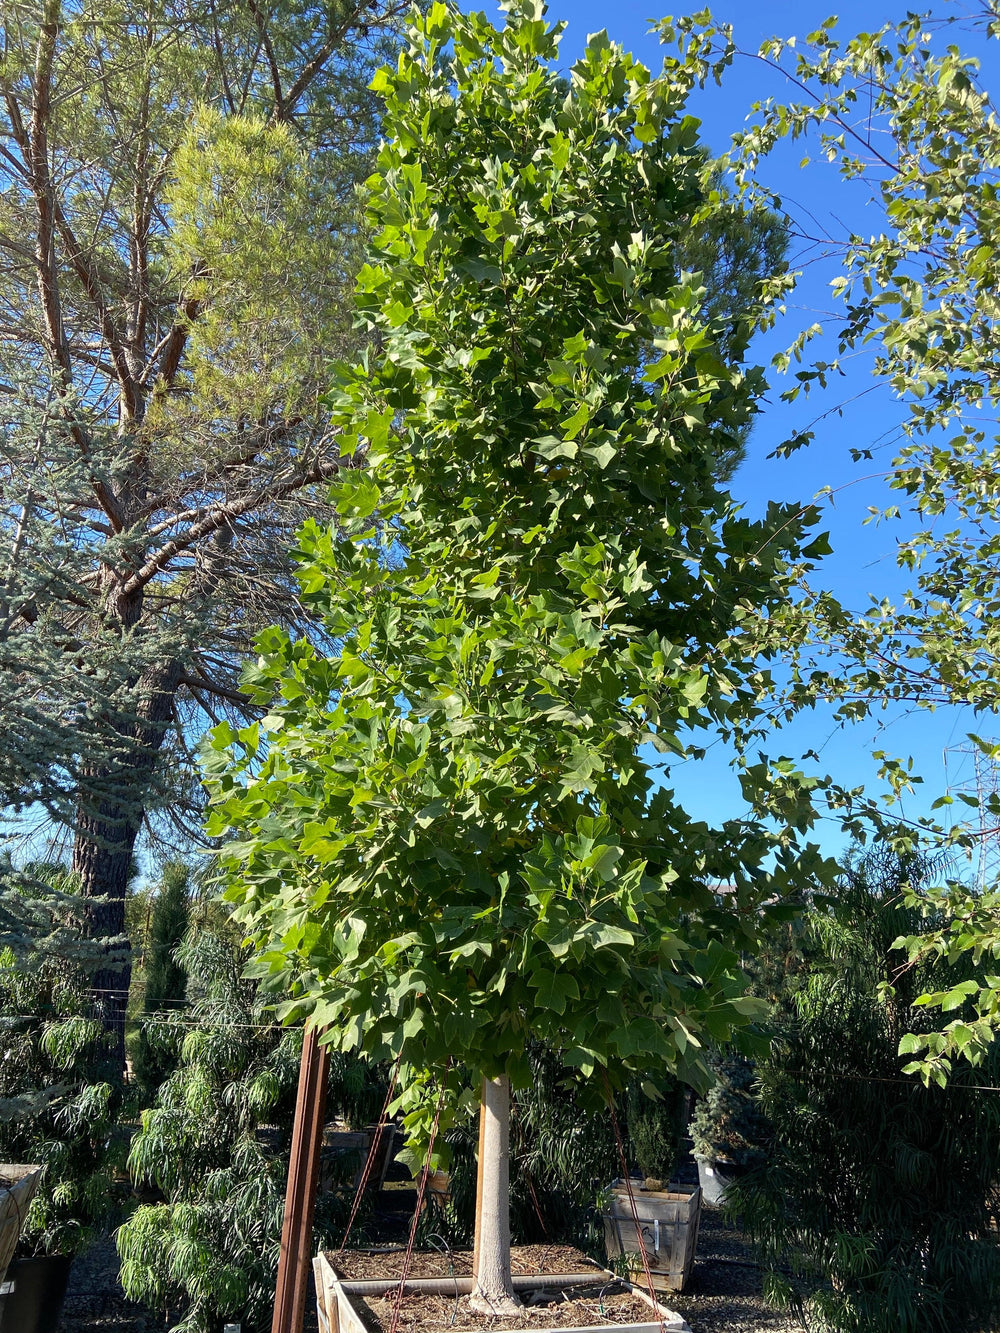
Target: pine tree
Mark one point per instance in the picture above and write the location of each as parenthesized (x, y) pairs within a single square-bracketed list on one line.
[(178, 238)]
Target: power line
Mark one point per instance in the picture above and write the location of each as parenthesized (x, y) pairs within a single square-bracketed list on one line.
[(157, 1020)]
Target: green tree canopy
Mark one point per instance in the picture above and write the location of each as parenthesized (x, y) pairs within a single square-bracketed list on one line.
[(450, 835)]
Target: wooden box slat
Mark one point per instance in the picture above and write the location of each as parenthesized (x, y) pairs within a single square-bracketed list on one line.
[(15, 1200)]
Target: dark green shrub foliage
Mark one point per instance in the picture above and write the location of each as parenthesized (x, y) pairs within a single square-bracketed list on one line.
[(728, 1124), (875, 1209), (59, 1093), (164, 980), (654, 1128)]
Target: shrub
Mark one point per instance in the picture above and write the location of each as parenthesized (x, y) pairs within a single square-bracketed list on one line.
[(216, 1146), (60, 1096), (875, 1211)]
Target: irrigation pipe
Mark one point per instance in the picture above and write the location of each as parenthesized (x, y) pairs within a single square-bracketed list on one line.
[(462, 1286)]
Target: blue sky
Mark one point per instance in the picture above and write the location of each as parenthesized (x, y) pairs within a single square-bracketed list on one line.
[(863, 563)]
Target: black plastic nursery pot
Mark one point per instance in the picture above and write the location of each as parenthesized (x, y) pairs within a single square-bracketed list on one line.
[(33, 1294)]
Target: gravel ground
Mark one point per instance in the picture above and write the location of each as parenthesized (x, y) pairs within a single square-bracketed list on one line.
[(722, 1296), (95, 1302), (723, 1292)]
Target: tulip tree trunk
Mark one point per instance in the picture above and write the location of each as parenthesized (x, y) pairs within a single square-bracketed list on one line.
[(494, 1290)]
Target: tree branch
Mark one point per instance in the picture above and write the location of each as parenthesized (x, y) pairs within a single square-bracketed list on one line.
[(35, 149), (176, 340), (221, 516), (272, 62), (205, 683), (315, 67), (110, 332)]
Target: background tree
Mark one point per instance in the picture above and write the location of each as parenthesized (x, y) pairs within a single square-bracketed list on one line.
[(920, 291), (452, 840), (178, 233)]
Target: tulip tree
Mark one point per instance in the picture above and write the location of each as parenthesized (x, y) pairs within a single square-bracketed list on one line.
[(450, 834)]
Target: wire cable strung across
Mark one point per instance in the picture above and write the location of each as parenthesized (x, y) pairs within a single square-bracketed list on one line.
[(397, 1304), (373, 1148)]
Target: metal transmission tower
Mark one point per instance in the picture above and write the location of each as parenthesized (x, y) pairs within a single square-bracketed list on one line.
[(976, 774)]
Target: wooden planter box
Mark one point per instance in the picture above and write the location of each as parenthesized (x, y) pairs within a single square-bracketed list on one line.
[(15, 1200), (668, 1221), (339, 1144), (337, 1314)]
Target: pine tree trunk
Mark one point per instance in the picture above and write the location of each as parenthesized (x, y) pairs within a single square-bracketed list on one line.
[(494, 1290), (111, 805)]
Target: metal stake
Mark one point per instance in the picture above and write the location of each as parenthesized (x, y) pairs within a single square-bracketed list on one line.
[(300, 1196)]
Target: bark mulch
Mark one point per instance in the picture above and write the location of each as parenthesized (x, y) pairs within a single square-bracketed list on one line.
[(374, 1263), (600, 1306), (605, 1302)]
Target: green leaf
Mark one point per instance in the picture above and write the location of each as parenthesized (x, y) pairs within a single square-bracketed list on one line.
[(554, 989)]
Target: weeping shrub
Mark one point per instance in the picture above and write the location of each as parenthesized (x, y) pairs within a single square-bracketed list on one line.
[(60, 1093), (875, 1211), (216, 1146)]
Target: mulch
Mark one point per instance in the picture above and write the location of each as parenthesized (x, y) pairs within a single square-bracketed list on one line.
[(605, 1302), (438, 1314), (362, 1264)]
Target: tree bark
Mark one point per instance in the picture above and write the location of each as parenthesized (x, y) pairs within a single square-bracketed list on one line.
[(494, 1290), (110, 809)]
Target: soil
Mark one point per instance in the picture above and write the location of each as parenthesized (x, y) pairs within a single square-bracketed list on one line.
[(601, 1304), (605, 1302), (361, 1264)]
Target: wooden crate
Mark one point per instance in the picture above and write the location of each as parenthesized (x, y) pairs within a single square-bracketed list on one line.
[(668, 1222), (15, 1199), (340, 1145), (337, 1314)]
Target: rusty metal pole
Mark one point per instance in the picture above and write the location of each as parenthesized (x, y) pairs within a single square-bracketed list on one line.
[(300, 1195)]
